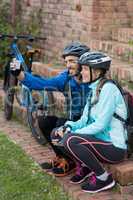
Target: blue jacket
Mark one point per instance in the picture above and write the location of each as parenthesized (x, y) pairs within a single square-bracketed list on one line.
[(76, 98), (101, 123)]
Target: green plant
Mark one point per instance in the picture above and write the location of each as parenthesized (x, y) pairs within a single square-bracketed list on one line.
[(5, 27), (130, 42), (18, 26), (34, 23), (21, 178)]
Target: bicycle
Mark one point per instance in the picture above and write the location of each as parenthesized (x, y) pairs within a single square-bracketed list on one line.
[(24, 96)]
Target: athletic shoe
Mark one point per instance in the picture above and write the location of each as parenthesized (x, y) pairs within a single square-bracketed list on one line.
[(81, 174), (64, 168), (52, 163), (96, 185)]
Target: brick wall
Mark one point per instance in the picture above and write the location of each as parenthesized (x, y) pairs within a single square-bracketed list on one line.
[(110, 14), (63, 21), (90, 21)]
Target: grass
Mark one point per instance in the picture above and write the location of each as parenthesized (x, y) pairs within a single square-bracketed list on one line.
[(21, 178)]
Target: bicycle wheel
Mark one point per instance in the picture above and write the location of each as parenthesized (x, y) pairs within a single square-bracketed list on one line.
[(21, 94), (9, 96), (33, 112)]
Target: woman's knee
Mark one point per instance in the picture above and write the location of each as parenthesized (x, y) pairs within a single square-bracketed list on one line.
[(65, 139), (69, 140)]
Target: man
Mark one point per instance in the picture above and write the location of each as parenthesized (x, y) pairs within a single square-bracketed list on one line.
[(70, 84)]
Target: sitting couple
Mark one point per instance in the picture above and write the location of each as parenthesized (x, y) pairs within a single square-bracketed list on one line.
[(83, 142)]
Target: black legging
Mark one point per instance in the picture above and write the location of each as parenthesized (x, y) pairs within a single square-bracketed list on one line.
[(47, 124), (91, 151)]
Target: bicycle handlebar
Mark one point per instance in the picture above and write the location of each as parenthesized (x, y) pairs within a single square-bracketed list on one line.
[(15, 37)]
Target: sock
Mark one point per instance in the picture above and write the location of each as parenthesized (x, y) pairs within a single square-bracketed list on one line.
[(103, 177)]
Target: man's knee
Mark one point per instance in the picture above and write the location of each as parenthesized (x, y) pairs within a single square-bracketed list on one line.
[(47, 122)]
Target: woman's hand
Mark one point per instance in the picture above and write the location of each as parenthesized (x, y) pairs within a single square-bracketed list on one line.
[(58, 134), (60, 131)]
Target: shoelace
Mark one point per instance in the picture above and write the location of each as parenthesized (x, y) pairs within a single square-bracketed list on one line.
[(64, 165), (92, 180), (55, 161)]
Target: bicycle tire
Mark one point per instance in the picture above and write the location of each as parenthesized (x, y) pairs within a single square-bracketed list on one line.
[(32, 117), (9, 97), (18, 95)]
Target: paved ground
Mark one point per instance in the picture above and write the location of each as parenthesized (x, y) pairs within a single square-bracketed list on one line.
[(22, 136)]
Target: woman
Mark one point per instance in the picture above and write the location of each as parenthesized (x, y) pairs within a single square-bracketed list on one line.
[(97, 136)]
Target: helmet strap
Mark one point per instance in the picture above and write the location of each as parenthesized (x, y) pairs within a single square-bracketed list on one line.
[(91, 78)]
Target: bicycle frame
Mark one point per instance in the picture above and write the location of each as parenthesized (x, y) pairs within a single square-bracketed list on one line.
[(26, 94), (15, 52), (18, 55), (27, 100)]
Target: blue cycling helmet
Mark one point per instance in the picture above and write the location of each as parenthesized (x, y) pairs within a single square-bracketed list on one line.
[(75, 49), (95, 60)]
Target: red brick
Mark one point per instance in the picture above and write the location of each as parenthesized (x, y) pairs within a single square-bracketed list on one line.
[(122, 172), (122, 70)]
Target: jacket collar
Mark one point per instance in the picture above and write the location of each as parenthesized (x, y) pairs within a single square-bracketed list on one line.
[(93, 85)]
